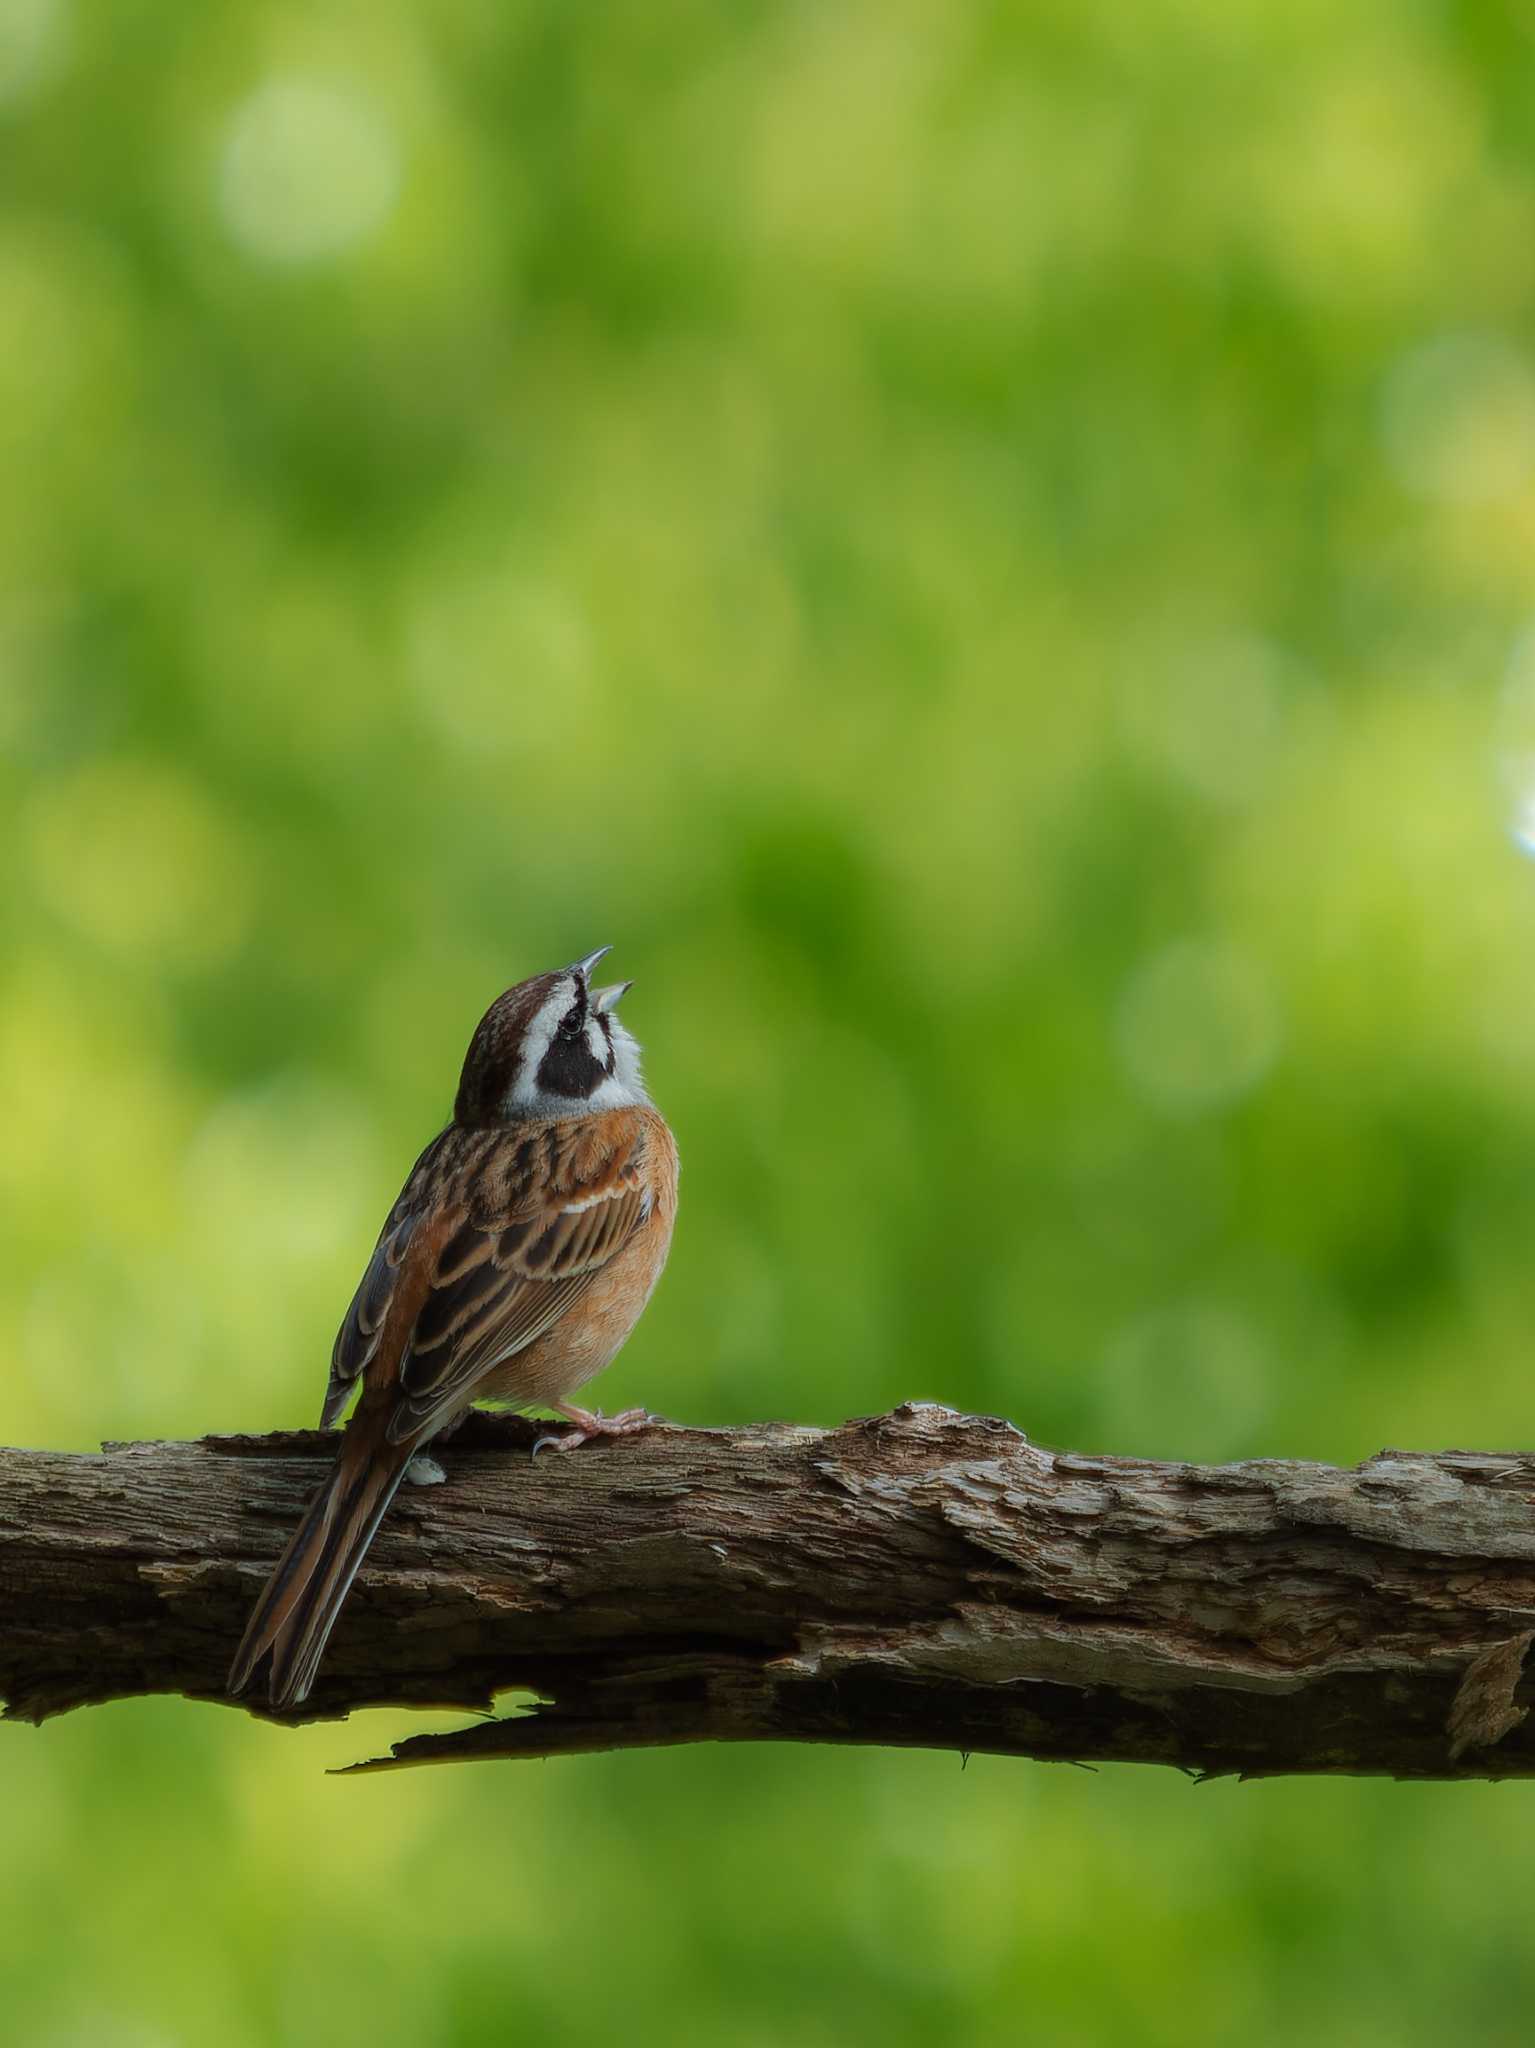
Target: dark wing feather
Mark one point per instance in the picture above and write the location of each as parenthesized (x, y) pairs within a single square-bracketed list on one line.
[(537, 1234), (363, 1325)]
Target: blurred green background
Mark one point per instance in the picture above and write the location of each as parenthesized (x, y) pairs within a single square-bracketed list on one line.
[(988, 550)]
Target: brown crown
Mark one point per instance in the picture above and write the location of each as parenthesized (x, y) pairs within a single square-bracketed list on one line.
[(490, 1065)]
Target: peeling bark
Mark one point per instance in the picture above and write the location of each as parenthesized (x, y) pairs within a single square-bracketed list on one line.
[(923, 1579)]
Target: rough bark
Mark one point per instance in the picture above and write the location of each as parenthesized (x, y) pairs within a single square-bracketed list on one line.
[(922, 1578)]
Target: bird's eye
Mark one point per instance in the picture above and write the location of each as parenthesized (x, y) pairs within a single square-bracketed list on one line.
[(572, 1022)]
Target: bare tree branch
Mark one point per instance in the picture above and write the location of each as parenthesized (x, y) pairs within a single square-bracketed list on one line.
[(922, 1578)]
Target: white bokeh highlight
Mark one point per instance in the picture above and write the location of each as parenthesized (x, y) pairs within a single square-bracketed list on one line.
[(1197, 1027), (1457, 419), (308, 170)]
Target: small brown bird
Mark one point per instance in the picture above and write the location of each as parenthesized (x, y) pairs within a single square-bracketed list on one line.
[(516, 1261)]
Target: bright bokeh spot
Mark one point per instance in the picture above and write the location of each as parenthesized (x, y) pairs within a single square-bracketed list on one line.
[(1207, 713), (1197, 1027), (499, 662), (33, 41), (1202, 1362), (308, 170), (1458, 419), (136, 857)]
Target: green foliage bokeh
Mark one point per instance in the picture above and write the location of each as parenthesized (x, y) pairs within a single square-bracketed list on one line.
[(987, 549)]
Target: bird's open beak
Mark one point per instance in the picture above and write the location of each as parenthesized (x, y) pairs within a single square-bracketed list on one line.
[(584, 967), (608, 998)]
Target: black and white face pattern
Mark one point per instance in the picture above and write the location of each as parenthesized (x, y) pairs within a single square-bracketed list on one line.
[(551, 1046), (575, 1054)]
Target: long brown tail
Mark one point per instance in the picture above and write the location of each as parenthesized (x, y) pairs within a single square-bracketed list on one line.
[(303, 1597)]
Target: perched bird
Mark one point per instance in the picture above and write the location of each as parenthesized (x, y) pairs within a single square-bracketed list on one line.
[(516, 1261)]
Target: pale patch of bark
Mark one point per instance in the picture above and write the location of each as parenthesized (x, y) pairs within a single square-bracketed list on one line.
[(1483, 1710)]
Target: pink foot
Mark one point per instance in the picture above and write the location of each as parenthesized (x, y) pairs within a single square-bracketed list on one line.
[(588, 1425)]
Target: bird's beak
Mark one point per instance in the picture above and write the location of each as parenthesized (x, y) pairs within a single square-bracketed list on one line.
[(604, 999), (584, 967)]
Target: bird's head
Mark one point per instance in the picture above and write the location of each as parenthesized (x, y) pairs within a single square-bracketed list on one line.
[(551, 1046)]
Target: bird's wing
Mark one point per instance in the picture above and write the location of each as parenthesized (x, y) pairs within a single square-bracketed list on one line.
[(362, 1328), (508, 1239)]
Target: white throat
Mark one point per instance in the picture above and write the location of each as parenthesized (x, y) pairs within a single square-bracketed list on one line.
[(622, 1088)]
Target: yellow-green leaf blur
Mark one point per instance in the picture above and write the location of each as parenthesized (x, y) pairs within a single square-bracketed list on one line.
[(988, 551)]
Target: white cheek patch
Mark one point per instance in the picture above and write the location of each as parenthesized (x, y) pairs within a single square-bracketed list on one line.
[(525, 1092), (611, 1093), (622, 1088), (626, 1081)]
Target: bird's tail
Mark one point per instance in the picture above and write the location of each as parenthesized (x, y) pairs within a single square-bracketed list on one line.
[(303, 1597)]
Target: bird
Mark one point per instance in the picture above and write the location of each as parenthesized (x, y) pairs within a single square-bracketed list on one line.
[(523, 1247)]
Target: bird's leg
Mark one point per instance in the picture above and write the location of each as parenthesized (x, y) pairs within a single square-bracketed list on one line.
[(588, 1425)]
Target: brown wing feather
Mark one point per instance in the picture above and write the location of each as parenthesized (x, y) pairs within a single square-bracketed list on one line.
[(362, 1327), (493, 1238), (508, 1278), (549, 1210)]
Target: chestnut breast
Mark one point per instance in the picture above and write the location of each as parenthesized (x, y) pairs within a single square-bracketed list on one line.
[(590, 1334)]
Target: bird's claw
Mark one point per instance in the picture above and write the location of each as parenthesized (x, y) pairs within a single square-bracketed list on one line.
[(587, 1425)]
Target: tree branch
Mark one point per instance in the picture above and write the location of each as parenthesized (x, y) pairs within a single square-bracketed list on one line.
[(923, 1578)]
